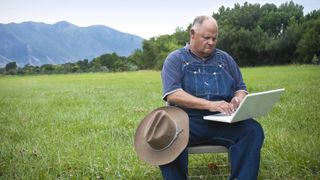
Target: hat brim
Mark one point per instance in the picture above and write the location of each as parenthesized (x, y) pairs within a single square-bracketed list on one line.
[(149, 155)]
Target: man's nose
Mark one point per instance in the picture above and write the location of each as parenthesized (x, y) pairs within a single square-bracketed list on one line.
[(210, 41)]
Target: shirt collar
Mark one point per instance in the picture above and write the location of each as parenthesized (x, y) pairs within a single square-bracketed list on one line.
[(197, 57)]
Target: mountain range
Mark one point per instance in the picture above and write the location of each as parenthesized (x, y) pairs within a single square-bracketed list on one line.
[(37, 43)]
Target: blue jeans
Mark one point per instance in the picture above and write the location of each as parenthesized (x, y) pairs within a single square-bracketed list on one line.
[(244, 140)]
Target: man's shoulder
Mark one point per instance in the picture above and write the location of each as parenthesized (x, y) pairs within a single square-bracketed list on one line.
[(221, 52), (178, 52), (176, 55), (223, 56)]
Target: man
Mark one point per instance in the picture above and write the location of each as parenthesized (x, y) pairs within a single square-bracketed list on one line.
[(203, 80)]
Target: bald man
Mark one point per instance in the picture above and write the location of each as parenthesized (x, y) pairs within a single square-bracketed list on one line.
[(202, 80)]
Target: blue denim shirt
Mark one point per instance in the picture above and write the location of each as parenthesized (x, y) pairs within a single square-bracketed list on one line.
[(216, 78)]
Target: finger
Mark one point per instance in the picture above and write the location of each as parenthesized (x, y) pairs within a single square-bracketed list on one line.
[(235, 102), (227, 108)]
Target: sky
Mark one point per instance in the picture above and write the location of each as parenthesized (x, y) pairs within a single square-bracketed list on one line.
[(145, 18)]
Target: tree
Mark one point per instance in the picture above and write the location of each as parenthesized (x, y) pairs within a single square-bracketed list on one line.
[(257, 35), (2, 70), (309, 44), (181, 36), (11, 68), (29, 69), (83, 65), (148, 58), (135, 58), (47, 69)]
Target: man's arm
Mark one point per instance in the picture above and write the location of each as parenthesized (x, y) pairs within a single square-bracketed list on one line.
[(186, 100)]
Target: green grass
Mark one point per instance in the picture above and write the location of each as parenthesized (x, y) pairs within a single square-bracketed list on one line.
[(82, 125)]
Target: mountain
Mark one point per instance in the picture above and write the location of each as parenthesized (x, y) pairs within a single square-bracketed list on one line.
[(39, 43)]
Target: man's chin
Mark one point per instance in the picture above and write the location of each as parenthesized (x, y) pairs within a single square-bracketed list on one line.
[(208, 52)]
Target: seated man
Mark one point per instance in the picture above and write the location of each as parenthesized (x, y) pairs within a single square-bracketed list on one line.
[(202, 79)]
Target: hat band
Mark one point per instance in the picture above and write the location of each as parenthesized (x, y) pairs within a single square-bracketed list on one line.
[(178, 131)]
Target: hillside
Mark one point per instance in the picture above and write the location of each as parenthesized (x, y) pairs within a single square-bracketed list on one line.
[(39, 43)]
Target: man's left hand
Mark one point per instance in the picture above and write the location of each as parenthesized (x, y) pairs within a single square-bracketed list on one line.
[(235, 102)]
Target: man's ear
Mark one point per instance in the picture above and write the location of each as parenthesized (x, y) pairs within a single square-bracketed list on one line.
[(192, 32)]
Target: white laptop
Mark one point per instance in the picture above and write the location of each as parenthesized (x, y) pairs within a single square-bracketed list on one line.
[(253, 105)]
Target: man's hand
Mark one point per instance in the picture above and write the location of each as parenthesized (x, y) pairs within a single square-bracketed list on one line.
[(235, 102), (222, 106), (184, 99)]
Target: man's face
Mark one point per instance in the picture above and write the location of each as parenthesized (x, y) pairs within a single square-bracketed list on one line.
[(204, 39)]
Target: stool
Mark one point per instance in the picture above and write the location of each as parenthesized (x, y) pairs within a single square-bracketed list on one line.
[(210, 171)]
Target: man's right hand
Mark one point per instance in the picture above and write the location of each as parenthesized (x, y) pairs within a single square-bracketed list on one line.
[(221, 106)]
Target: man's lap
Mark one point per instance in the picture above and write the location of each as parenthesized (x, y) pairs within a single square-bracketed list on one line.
[(203, 132)]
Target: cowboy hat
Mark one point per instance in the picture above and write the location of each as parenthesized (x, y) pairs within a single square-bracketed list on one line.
[(162, 135)]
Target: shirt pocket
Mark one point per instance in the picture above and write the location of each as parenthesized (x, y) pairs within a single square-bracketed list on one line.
[(203, 81)]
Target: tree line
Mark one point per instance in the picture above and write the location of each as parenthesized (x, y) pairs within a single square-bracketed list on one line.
[(254, 35), (104, 63)]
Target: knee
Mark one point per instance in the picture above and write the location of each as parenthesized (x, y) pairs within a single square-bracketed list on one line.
[(256, 129)]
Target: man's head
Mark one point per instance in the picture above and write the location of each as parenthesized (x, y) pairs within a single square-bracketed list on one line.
[(203, 36)]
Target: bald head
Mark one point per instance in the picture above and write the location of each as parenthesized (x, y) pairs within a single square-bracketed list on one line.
[(198, 21)]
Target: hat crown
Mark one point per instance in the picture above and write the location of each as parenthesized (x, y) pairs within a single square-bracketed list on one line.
[(160, 131), (162, 135)]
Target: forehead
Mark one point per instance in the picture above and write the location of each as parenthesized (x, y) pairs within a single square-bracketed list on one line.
[(208, 27)]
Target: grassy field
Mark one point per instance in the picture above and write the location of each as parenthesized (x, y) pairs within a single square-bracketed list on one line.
[(81, 126)]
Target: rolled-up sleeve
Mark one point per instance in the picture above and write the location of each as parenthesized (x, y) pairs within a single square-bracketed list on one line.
[(171, 74)]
